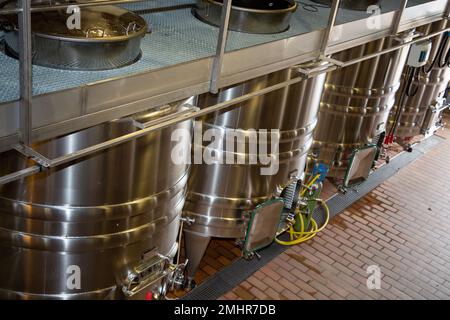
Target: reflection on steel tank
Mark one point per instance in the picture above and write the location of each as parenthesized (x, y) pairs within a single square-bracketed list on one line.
[(220, 194), (431, 85), (107, 215), (356, 103)]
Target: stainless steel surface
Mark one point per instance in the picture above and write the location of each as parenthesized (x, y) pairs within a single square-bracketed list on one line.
[(195, 248), (252, 16), (26, 72), (219, 194), (361, 5), (221, 45), (101, 101), (102, 214), (186, 113), (308, 71), (109, 38), (434, 118), (331, 22), (356, 103), (431, 87), (398, 17)]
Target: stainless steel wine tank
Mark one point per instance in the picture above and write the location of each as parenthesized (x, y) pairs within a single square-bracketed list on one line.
[(356, 102), (431, 83), (102, 217), (220, 194)]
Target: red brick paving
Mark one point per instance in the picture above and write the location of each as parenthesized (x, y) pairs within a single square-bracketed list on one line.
[(402, 227)]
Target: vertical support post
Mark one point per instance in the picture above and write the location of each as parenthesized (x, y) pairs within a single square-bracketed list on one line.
[(447, 10), (26, 71), (329, 29), (221, 46), (398, 17)]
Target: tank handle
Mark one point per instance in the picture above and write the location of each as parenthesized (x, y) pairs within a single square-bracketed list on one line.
[(147, 275), (155, 275)]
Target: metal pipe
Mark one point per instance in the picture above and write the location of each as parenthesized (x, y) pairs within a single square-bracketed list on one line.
[(135, 135), (398, 17), (447, 10), (329, 29), (395, 48), (193, 115), (205, 111), (20, 174), (196, 114), (26, 72), (221, 46)]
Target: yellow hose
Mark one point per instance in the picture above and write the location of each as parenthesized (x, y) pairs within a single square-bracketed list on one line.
[(302, 236), (302, 194)]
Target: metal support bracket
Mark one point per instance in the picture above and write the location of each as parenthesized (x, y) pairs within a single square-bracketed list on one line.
[(33, 155), (328, 31), (26, 72), (221, 46), (322, 66), (398, 17), (447, 10), (405, 38)]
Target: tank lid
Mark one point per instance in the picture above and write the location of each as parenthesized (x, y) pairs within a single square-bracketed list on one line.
[(100, 23)]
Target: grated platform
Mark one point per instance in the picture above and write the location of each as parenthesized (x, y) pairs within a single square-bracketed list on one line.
[(176, 37)]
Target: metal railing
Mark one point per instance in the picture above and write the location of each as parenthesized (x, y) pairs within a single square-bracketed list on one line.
[(323, 64)]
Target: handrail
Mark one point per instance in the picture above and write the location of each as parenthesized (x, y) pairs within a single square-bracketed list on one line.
[(26, 83), (193, 113)]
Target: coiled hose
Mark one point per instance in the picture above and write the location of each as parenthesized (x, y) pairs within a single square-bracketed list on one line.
[(297, 237)]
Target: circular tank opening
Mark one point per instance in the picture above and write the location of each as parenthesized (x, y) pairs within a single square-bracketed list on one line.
[(262, 4)]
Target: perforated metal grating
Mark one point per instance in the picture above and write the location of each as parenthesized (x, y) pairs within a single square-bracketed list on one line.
[(232, 275), (176, 37)]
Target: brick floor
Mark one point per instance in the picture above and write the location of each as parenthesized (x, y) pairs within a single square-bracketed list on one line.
[(220, 253), (402, 227)]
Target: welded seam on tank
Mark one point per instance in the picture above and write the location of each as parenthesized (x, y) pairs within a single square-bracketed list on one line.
[(231, 276), (153, 199), (21, 294)]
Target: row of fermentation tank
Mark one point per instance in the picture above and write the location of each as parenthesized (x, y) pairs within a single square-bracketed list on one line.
[(108, 225)]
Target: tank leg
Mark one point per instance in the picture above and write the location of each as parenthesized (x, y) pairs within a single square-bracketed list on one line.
[(195, 247)]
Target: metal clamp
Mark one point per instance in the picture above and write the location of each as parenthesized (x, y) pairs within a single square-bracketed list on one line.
[(157, 274), (33, 155), (189, 221), (95, 29), (323, 65)]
